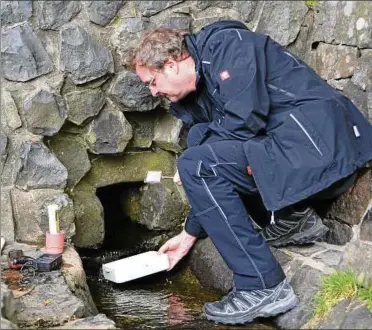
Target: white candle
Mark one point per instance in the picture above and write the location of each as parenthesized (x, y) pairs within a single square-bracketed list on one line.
[(52, 218)]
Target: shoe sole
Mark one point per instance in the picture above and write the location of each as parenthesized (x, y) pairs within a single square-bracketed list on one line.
[(269, 310), (302, 238)]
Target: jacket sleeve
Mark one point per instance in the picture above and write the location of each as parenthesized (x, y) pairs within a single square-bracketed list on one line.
[(238, 71)]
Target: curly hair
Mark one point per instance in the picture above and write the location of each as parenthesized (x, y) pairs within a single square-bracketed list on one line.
[(158, 46)]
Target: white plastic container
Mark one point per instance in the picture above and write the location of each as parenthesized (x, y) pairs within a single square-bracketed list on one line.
[(136, 266)]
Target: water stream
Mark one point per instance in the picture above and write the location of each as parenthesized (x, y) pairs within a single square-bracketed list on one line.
[(166, 300), (172, 300)]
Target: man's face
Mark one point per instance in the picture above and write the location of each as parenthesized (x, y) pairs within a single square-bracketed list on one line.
[(168, 81)]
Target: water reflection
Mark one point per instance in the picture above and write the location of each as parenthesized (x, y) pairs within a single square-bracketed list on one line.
[(157, 302)]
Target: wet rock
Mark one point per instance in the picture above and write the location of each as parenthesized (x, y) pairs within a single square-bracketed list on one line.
[(10, 119), (44, 113), (282, 20), (31, 214), (154, 243), (100, 321), (209, 267), (167, 132), (349, 23), (143, 129), (39, 168), (15, 11), (126, 36), (50, 303), (102, 12), (162, 207), (84, 104), (334, 61), (109, 132), (52, 15), (366, 227), (306, 283), (7, 223), (130, 94), (23, 55), (357, 96), (351, 206), (73, 272), (82, 58), (8, 303), (72, 152), (363, 71), (150, 8)]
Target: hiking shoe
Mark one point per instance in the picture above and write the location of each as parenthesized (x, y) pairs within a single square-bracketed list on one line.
[(297, 228), (239, 306)]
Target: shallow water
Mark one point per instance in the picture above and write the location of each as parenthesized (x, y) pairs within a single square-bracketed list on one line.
[(171, 300), (158, 301)]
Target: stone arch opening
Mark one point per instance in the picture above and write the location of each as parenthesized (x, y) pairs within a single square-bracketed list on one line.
[(120, 230)]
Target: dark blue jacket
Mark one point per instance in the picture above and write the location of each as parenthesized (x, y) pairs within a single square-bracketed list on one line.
[(300, 134)]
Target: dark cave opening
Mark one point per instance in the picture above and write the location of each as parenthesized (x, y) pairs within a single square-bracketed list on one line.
[(121, 232)]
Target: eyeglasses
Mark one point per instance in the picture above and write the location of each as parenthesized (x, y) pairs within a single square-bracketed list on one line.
[(152, 82)]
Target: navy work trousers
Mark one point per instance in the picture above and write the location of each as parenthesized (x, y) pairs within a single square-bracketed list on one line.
[(214, 175)]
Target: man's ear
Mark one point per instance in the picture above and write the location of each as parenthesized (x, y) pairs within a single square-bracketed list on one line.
[(172, 65)]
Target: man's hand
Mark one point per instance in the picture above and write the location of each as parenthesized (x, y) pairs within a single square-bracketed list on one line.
[(177, 247), (177, 179)]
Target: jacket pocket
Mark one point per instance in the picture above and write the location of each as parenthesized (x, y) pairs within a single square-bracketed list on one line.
[(313, 137), (301, 158), (306, 133)]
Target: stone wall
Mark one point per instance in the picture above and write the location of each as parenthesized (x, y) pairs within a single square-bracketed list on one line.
[(75, 119)]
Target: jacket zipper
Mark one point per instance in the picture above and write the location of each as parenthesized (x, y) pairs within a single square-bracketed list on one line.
[(291, 95), (292, 57), (306, 132)]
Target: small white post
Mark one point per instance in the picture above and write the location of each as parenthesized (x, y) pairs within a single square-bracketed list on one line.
[(52, 218)]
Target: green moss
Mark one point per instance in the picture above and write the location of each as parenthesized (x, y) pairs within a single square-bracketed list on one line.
[(116, 21), (89, 217), (130, 321), (311, 4), (365, 294), (132, 207), (91, 137), (129, 167), (169, 146), (338, 286)]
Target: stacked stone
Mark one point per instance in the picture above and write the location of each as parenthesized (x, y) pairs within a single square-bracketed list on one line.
[(74, 118)]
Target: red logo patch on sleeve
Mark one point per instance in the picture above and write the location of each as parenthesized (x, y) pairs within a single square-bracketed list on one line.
[(224, 75)]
